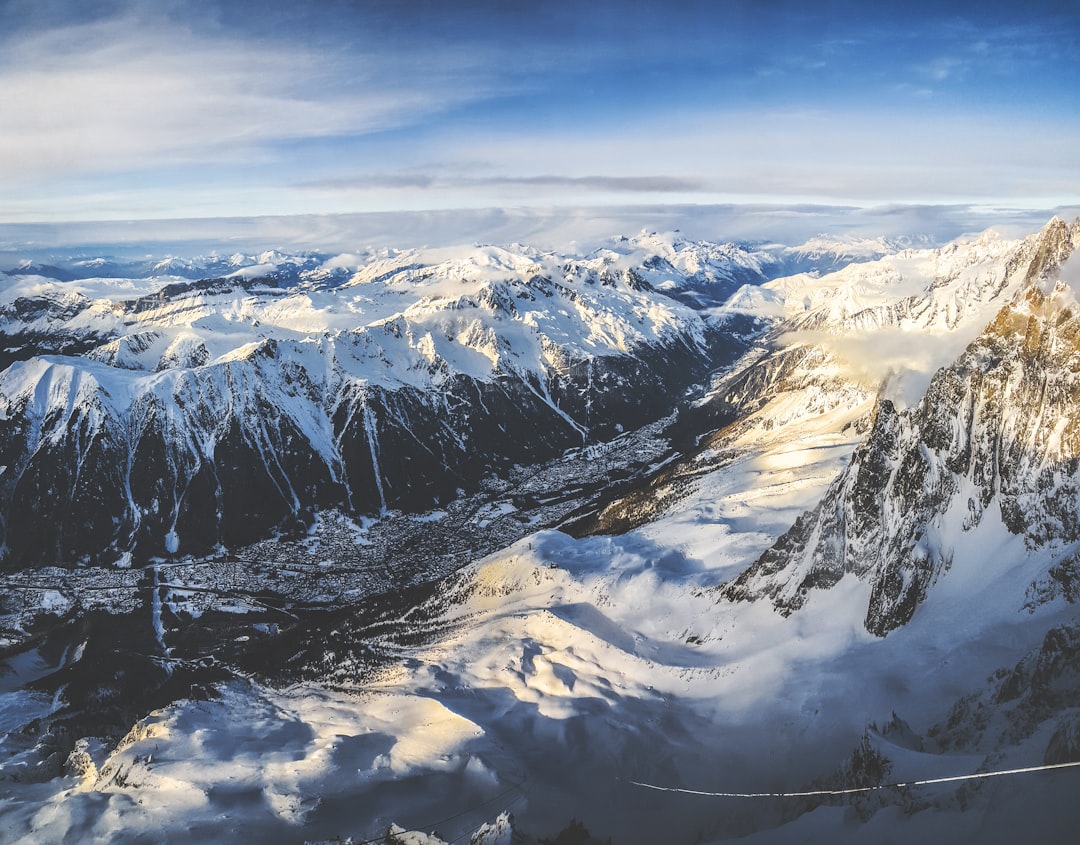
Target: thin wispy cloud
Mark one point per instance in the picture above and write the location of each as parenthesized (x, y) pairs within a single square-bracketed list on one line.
[(565, 229), (130, 108), (843, 156), (130, 93), (426, 181), (946, 67)]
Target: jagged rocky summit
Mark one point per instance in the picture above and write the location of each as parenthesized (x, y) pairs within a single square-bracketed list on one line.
[(994, 439)]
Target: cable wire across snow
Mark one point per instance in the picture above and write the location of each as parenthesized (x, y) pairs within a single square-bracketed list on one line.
[(855, 789)]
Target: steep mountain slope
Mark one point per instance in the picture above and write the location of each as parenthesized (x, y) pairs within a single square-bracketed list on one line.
[(834, 345), (159, 415), (224, 409), (993, 441), (592, 677)]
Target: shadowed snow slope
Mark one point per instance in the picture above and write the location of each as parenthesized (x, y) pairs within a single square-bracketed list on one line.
[(812, 595), (162, 416)]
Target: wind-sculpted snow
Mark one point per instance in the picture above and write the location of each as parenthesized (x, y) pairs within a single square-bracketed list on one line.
[(563, 669), (1020, 724), (993, 442)]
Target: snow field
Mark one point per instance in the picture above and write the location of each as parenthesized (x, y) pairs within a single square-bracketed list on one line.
[(577, 665)]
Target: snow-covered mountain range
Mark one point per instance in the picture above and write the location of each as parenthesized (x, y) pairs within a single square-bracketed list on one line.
[(216, 411), (490, 539)]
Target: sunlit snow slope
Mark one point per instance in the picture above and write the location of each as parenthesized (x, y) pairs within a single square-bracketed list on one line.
[(160, 416), (849, 574)]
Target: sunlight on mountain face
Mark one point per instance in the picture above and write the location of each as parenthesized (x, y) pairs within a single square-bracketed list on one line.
[(546, 423), (498, 539)]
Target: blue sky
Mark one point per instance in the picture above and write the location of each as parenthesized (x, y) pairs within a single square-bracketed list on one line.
[(179, 108)]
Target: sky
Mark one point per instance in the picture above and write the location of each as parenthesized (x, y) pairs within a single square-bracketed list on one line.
[(167, 109)]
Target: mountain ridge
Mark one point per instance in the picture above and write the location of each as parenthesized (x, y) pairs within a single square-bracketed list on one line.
[(994, 429)]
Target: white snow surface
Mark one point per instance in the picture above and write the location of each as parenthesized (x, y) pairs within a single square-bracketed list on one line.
[(564, 668), (568, 667), (411, 318), (900, 318)]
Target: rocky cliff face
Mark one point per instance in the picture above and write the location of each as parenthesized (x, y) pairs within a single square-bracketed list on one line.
[(828, 346), (995, 434)]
